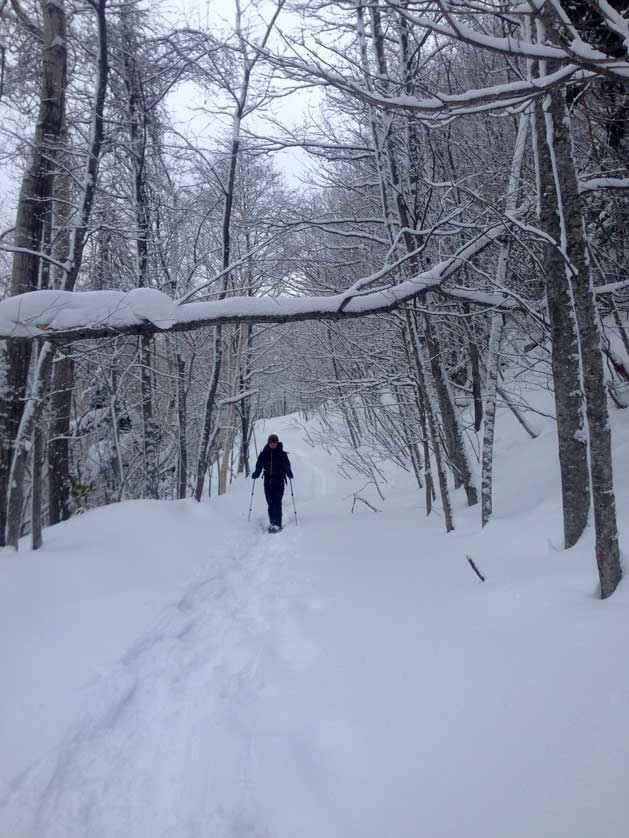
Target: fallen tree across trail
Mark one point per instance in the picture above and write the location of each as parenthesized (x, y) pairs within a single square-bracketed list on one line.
[(79, 315)]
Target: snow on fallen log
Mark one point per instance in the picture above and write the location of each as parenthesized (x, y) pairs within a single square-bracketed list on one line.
[(73, 315), (50, 312)]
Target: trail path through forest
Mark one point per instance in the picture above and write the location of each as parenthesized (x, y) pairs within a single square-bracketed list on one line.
[(349, 677)]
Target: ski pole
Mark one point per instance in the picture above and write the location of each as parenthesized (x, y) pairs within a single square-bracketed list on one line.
[(253, 488), (293, 497)]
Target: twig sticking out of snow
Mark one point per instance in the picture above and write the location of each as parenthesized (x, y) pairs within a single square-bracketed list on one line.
[(366, 502), (474, 568)]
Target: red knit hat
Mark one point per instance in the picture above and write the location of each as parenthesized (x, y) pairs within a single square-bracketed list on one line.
[(273, 438)]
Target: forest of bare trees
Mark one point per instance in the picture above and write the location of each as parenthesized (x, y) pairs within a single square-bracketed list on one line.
[(455, 242)]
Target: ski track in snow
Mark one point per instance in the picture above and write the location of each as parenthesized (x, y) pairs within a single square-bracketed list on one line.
[(167, 747), (144, 761)]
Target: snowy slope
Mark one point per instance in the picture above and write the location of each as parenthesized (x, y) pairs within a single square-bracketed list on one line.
[(174, 672)]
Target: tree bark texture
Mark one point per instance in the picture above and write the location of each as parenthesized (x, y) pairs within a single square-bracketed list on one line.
[(59, 441), (569, 402), (38, 488), (208, 415), (557, 122), (427, 396), (23, 442), (493, 361), (150, 425), (452, 426), (33, 207), (182, 420)]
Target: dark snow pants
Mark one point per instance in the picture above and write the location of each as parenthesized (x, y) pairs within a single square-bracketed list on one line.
[(274, 491)]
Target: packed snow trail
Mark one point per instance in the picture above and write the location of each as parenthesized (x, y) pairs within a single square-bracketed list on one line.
[(350, 678)]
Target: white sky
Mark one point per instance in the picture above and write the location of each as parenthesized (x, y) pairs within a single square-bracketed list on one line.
[(187, 109), (219, 16)]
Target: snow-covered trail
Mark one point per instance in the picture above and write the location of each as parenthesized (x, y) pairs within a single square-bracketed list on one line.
[(163, 747), (351, 678), (164, 744)]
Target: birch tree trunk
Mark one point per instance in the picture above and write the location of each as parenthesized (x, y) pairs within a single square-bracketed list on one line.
[(208, 433), (493, 361), (34, 402), (497, 327), (229, 429)]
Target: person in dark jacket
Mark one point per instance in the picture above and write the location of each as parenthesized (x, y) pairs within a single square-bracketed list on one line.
[(273, 460)]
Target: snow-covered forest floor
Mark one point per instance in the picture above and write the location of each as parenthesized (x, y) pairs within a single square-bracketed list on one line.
[(172, 671)]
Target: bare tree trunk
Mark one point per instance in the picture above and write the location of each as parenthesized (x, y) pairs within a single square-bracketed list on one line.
[(622, 329), (37, 494), (228, 430), (151, 430), (476, 384), (497, 328), (30, 416), (412, 446), (408, 337), (430, 484), (73, 244), (33, 207), (573, 240), (138, 134), (245, 410), (345, 413), (436, 449), (452, 427), (59, 442), (182, 471), (207, 431), (427, 396), (113, 389), (569, 408), (493, 361)]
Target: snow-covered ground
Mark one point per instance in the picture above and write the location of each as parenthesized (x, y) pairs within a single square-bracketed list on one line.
[(172, 671)]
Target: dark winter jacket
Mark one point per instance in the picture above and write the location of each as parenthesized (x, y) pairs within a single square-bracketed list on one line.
[(274, 463)]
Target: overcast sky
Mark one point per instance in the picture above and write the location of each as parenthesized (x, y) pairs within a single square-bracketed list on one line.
[(218, 15), (187, 109)]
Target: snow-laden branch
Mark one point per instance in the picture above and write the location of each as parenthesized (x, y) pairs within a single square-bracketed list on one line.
[(576, 51), (75, 315), (612, 287), (239, 397), (592, 184), (442, 105)]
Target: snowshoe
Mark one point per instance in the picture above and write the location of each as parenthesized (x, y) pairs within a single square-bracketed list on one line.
[(274, 528)]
